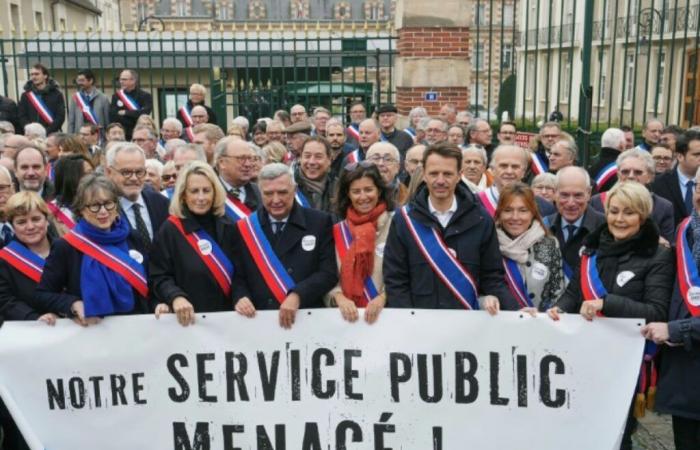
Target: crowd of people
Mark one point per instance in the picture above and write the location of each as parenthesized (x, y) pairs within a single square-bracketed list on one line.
[(119, 216)]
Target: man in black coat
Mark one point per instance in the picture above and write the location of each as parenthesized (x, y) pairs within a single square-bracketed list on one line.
[(612, 143), (301, 240), (138, 102), (445, 205), (235, 162), (9, 112), (678, 185), (387, 115), (574, 219), (41, 101)]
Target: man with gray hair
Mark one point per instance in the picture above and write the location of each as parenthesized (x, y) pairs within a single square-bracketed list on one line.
[(235, 161), (298, 243), (145, 209), (129, 102), (244, 123), (171, 129), (387, 158), (604, 170), (474, 165), (34, 130), (187, 153), (435, 131), (320, 119), (651, 134), (562, 154), (144, 137), (638, 165), (448, 113)]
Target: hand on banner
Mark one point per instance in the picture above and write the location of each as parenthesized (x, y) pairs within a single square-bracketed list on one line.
[(48, 318), (184, 311), (554, 312), (530, 310), (656, 331), (374, 308), (288, 310), (78, 311), (491, 305), (347, 307), (590, 308), (162, 308), (245, 307)]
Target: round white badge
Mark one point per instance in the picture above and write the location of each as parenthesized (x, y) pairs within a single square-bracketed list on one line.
[(120, 103), (539, 271), (623, 277), (380, 250), (308, 242), (136, 256), (694, 296), (204, 246)]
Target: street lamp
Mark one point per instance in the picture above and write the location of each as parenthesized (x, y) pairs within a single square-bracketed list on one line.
[(646, 20)]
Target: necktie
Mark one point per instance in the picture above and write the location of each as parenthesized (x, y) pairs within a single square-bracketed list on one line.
[(277, 228), (236, 192), (571, 230), (6, 234), (141, 228), (689, 188)]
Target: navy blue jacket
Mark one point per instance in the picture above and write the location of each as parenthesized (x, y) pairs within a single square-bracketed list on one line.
[(157, 205), (668, 186), (410, 281), (314, 269), (570, 249), (606, 156)]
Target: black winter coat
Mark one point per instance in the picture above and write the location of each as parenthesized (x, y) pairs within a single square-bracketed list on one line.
[(9, 112), (129, 118), (210, 113), (605, 157), (410, 282), (17, 294), (637, 274), (52, 98)]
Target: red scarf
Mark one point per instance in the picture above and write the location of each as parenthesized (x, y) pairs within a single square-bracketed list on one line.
[(359, 259)]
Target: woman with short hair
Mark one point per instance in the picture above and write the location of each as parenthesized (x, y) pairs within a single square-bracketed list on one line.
[(69, 170)]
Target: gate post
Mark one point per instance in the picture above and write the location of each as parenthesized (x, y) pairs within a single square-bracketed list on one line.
[(586, 92)]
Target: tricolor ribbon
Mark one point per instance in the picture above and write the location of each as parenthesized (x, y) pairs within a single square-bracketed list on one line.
[(343, 239), (516, 283), (85, 108), (21, 258), (591, 286), (129, 103), (353, 156), (235, 209), (445, 265), (605, 175), (189, 132), (65, 217), (186, 115), (687, 270), (40, 107), (411, 132), (538, 165), (489, 200), (301, 199), (354, 131), (268, 263), (215, 259)]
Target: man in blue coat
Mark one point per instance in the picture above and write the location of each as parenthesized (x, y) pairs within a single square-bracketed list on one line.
[(442, 250)]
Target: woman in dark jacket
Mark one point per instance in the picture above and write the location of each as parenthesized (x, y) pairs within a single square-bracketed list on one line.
[(190, 264), (92, 271), (679, 393), (624, 271)]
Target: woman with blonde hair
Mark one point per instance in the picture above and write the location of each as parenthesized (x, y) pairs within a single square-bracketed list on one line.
[(190, 265)]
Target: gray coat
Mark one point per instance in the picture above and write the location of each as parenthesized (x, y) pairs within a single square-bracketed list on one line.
[(100, 104)]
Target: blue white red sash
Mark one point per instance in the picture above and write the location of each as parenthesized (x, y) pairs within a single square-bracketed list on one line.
[(688, 278), (445, 265), (21, 258), (210, 253), (186, 115), (40, 107), (354, 131), (343, 239), (538, 165), (411, 132), (168, 192), (516, 283), (603, 197), (268, 263), (50, 171), (113, 258), (591, 286), (62, 216), (301, 199), (189, 133), (489, 199), (85, 108), (129, 103), (236, 209), (353, 157), (605, 174)]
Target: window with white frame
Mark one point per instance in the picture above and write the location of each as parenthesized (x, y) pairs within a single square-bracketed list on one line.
[(479, 56), (661, 65), (508, 15), (531, 75), (481, 15), (603, 77), (507, 60), (565, 74), (629, 78), (181, 8)]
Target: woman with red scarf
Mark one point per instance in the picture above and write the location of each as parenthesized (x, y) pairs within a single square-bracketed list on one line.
[(365, 205)]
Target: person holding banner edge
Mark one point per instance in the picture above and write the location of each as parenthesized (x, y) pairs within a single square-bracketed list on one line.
[(190, 264), (93, 270), (366, 206), (442, 250), (624, 272)]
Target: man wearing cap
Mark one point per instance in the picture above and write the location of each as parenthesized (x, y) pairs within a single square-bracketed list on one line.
[(387, 120), (297, 133)]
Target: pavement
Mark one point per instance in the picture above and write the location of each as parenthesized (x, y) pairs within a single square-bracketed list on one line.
[(653, 433)]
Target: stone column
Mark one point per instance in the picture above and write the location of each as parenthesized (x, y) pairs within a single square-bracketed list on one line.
[(433, 55)]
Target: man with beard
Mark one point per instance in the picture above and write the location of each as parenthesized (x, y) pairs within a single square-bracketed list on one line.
[(335, 135), (30, 170), (89, 105), (41, 101)]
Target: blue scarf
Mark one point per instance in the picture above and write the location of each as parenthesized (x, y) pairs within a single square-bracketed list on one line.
[(104, 291)]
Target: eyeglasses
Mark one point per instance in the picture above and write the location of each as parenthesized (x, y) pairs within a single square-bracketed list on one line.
[(662, 158), (96, 207), (386, 159), (5, 187), (128, 173), (169, 177), (364, 164), (242, 158), (434, 130)]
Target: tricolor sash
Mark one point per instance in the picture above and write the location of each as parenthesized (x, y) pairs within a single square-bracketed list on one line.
[(354, 131), (605, 174), (40, 107), (213, 257), (489, 200), (445, 265), (60, 215), (113, 258), (343, 239), (189, 132), (301, 199), (167, 192), (129, 102), (268, 263), (411, 132), (538, 165), (603, 197), (50, 174), (85, 108), (186, 115), (236, 209), (688, 278), (516, 283), (21, 258), (353, 156), (591, 286)]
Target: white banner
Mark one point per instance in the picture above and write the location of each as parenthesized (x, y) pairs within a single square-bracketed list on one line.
[(415, 380)]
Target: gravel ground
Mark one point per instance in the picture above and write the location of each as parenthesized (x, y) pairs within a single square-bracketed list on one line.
[(654, 433)]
